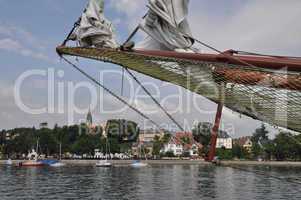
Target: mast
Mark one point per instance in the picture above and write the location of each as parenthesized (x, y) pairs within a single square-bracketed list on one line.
[(60, 156)]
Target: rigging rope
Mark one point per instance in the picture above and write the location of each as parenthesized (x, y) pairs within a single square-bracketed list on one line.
[(122, 82), (155, 100), (109, 91)]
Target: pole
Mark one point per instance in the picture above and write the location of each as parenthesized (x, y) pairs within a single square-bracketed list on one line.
[(60, 157), (215, 129)]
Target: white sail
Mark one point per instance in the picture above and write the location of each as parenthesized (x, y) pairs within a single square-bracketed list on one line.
[(95, 29), (167, 26)]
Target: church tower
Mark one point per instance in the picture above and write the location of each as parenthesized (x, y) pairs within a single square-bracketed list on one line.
[(89, 120)]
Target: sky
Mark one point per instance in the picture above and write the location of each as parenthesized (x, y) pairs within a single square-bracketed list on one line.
[(30, 31)]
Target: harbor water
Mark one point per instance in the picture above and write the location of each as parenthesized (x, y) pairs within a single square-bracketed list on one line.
[(152, 182)]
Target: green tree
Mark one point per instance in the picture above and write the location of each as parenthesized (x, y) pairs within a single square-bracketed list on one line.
[(86, 144), (202, 133), (259, 141), (157, 146), (170, 154), (286, 147), (224, 154)]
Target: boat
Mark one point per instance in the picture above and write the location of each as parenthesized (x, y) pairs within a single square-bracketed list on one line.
[(31, 163), (138, 163), (59, 162), (33, 159), (9, 162), (103, 163)]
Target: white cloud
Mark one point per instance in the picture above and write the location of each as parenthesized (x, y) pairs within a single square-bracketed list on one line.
[(132, 9), (18, 40), (264, 26), (128, 7), (11, 45), (6, 91)]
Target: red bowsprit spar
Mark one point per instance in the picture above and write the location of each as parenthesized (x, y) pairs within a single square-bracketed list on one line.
[(263, 87)]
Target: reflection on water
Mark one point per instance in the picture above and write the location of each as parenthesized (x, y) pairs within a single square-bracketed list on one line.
[(155, 182)]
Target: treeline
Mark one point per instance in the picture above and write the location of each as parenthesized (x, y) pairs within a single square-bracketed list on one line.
[(75, 139), (284, 147)]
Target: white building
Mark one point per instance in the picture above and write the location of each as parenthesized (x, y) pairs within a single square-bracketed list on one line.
[(224, 143), (173, 146), (177, 145)]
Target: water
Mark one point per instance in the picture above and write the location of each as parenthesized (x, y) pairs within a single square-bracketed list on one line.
[(154, 182)]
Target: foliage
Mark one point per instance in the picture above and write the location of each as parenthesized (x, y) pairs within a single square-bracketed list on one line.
[(186, 154), (260, 142), (202, 133), (76, 139), (169, 154), (287, 147), (157, 146), (239, 152), (126, 131), (224, 154)]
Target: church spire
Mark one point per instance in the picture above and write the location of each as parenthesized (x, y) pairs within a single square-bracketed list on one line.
[(89, 120)]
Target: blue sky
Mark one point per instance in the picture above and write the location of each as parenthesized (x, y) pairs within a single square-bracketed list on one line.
[(30, 30)]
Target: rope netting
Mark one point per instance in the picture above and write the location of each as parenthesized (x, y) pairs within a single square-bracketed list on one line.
[(265, 94)]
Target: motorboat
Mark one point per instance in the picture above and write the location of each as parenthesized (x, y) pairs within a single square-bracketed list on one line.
[(103, 163), (139, 164), (57, 164), (33, 159), (9, 162), (31, 163)]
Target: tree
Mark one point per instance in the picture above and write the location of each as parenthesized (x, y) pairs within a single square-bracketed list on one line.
[(157, 146), (86, 144), (240, 152), (202, 133), (286, 147), (224, 154), (260, 140), (47, 141), (126, 131), (170, 154)]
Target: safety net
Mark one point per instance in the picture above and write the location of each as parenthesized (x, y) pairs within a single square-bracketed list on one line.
[(268, 89)]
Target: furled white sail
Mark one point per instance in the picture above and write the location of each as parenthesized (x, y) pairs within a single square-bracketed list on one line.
[(167, 26), (95, 29)]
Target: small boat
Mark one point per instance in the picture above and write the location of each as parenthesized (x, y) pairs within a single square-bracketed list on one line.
[(9, 162), (33, 159), (31, 163), (57, 164), (103, 163), (138, 164)]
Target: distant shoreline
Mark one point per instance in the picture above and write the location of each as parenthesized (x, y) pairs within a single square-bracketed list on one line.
[(179, 162)]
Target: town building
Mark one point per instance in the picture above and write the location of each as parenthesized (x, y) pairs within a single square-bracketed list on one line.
[(145, 142), (43, 125), (244, 142), (182, 143), (142, 149), (146, 136), (224, 141)]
